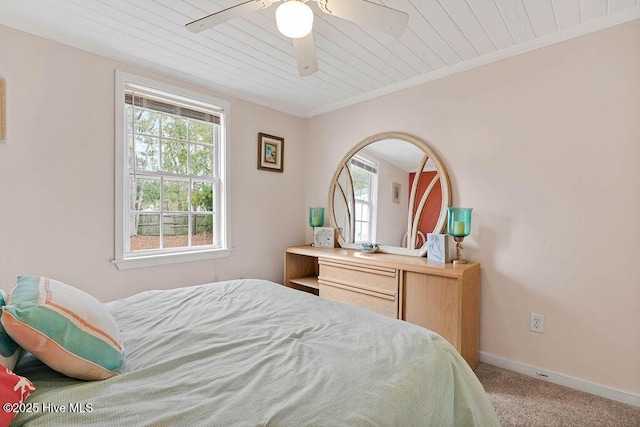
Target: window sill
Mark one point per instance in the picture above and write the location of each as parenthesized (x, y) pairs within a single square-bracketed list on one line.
[(170, 258)]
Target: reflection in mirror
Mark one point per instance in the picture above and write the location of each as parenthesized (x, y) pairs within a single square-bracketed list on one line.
[(389, 190)]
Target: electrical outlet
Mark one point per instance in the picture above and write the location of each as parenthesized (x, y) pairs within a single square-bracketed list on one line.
[(536, 323)]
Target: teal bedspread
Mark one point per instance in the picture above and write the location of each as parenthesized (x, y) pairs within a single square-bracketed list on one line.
[(253, 353)]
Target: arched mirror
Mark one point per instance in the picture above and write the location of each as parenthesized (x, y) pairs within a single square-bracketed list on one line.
[(391, 189)]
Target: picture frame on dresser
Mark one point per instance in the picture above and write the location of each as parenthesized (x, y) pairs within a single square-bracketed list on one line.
[(438, 247), (323, 237)]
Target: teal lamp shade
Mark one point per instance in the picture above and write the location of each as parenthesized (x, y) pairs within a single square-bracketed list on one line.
[(316, 217), (459, 222)]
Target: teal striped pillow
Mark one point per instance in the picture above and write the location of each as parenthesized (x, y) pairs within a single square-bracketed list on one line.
[(10, 351), (64, 327)]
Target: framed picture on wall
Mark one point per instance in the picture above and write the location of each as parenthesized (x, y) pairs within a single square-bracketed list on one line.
[(395, 192), (2, 111), (270, 153)]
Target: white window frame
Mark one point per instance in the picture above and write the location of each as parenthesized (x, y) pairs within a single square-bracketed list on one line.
[(373, 194), (124, 260)]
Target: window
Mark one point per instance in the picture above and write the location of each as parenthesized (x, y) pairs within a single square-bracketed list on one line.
[(171, 174), (365, 182)]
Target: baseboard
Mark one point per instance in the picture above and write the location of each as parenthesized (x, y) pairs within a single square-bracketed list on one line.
[(561, 379)]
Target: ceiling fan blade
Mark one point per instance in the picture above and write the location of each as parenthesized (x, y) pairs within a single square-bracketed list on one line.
[(227, 14), (306, 55), (368, 15)]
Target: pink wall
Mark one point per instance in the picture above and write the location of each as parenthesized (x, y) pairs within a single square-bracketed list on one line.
[(545, 147), (57, 178)]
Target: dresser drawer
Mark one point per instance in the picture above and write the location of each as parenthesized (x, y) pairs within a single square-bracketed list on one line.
[(376, 279), (379, 303)]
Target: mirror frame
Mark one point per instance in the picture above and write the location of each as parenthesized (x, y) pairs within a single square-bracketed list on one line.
[(445, 185)]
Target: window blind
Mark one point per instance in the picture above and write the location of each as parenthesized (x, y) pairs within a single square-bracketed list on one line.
[(364, 164), (166, 103)]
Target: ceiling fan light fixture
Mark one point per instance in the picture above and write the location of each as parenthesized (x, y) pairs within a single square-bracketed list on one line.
[(294, 19)]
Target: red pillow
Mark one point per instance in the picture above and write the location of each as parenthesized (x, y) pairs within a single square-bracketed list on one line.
[(14, 389)]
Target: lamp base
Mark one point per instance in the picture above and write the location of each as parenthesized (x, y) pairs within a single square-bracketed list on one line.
[(458, 260)]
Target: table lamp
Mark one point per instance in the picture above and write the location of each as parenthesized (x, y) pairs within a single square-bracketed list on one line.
[(459, 226)]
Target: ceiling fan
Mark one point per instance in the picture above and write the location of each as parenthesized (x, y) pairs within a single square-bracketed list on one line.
[(294, 19)]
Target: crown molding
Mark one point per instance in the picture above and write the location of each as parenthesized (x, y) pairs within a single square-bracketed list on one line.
[(519, 49)]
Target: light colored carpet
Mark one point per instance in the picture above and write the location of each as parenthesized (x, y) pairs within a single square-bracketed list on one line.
[(520, 400)]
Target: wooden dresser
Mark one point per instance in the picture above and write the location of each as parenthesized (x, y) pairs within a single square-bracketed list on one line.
[(442, 298)]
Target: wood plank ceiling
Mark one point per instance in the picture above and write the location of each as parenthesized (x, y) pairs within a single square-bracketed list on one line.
[(248, 57)]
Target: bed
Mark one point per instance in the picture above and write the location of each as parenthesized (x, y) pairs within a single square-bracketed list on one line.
[(253, 352)]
